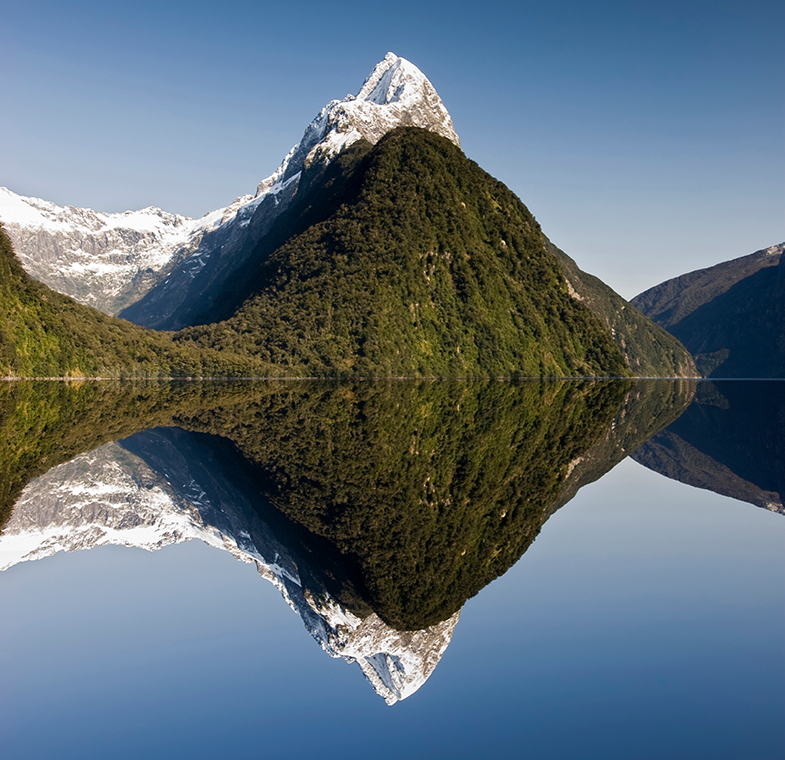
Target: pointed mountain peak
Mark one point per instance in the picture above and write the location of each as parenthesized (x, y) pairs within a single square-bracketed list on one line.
[(390, 79), (395, 94)]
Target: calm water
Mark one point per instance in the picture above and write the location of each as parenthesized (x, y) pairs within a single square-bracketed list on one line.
[(633, 616)]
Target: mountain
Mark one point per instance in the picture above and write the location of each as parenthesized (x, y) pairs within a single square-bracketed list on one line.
[(729, 440), (416, 262), (47, 334), (730, 316), (395, 94), (111, 261)]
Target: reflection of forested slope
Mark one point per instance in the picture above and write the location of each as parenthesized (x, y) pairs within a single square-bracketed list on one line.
[(427, 492), (730, 440), (404, 498), (43, 424), (650, 406)]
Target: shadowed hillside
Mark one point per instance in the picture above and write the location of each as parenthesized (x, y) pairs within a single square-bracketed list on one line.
[(730, 316)]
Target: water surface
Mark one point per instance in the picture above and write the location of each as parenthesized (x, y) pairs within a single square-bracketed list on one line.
[(508, 580)]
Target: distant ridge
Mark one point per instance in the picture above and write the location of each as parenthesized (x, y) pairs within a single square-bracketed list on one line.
[(731, 316), (44, 334)]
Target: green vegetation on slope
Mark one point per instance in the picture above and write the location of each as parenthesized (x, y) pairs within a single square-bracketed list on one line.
[(47, 334), (649, 350), (428, 267), (403, 259)]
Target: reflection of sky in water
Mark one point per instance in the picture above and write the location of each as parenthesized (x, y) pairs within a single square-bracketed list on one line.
[(645, 621)]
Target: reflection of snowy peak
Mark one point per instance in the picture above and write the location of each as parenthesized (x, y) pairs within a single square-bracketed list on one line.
[(113, 261), (107, 497), (176, 493)]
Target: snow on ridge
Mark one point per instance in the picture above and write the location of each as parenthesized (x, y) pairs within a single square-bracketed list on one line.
[(36, 212)]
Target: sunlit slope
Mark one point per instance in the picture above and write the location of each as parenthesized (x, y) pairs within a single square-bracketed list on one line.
[(428, 267)]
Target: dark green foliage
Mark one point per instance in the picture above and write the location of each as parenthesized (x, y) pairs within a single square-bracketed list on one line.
[(650, 351), (428, 267), (730, 316), (320, 193), (47, 334), (425, 493)]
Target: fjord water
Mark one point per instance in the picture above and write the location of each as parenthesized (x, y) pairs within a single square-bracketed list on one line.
[(645, 620)]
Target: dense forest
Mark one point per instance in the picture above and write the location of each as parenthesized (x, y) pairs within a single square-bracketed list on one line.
[(428, 267), (46, 334)]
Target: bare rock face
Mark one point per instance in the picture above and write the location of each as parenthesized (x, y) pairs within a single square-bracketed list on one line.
[(113, 496), (153, 266), (103, 260)]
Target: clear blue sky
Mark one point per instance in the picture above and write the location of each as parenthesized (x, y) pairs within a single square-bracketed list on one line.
[(647, 138)]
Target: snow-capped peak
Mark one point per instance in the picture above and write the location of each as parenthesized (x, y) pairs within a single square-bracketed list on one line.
[(113, 261), (395, 94), (391, 79)]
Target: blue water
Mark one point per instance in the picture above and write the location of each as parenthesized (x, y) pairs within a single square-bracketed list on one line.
[(646, 621)]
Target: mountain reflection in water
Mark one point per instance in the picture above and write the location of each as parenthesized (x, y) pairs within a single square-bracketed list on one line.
[(377, 509), (730, 440)]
